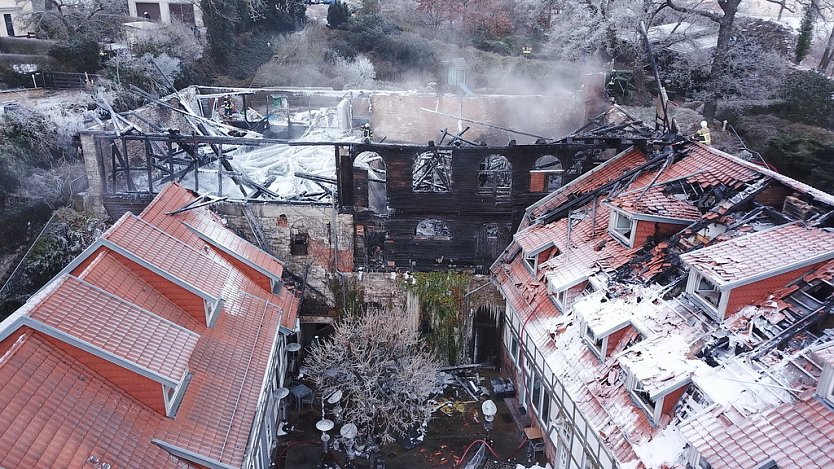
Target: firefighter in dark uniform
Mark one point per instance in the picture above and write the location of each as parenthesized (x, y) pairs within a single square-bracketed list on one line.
[(367, 133), (228, 107)]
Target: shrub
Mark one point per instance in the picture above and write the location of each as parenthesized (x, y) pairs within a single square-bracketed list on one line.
[(808, 97), (79, 54)]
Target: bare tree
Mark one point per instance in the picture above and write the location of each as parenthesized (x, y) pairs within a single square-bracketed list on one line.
[(381, 366), (65, 19)]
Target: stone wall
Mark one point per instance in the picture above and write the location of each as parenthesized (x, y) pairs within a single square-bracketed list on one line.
[(280, 222)]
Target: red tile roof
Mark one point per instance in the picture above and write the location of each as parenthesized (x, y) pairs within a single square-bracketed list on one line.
[(613, 169), (56, 412), (793, 435), (184, 224), (116, 326), (116, 308), (656, 202), (581, 236), (169, 254), (782, 248)]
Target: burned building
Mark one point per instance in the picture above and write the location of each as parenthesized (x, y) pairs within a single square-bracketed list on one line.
[(673, 308)]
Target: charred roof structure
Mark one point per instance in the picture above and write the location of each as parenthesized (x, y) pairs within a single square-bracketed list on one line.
[(162, 345), (448, 203), (673, 307)]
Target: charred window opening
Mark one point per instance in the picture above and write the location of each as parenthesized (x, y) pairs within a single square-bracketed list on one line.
[(432, 228), (551, 173), (491, 230), (432, 171), (495, 175), (595, 342), (377, 177), (299, 241)]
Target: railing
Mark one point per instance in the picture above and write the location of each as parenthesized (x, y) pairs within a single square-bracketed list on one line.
[(63, 80)]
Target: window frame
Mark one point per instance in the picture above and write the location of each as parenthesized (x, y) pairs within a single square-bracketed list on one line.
[(717, 311), (657, 404), (618, 234), (598, 345)]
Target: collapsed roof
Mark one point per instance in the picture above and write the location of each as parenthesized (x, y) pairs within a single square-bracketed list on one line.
[(678, 296)]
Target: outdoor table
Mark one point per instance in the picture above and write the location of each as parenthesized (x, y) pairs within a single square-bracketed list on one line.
[(300, 392)]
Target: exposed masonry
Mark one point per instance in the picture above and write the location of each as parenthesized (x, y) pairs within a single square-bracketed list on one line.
[(674, 308)]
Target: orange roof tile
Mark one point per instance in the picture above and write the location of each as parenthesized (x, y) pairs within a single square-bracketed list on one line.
[(115, 308), (777, 250), (169, 254), (116, 326), (793, 435), (656, 202), (203, 223), (55, 412)]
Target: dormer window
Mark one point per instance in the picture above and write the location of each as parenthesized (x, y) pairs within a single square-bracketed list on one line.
[(530, 260), (560, 299), (708, 291), (707, 294), (598, 345), (621, 227), (642, 397)]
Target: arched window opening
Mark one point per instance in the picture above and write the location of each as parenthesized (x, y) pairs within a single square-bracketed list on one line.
[(299, 240), (547, 174), (377, 178)]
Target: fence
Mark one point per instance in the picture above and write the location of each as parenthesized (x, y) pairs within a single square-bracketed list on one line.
[(63, 80)]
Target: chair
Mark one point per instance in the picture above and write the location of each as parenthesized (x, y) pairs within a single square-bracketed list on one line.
[(534, 448)]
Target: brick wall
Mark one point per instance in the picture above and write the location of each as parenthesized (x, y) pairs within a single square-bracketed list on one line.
[(279, 221)]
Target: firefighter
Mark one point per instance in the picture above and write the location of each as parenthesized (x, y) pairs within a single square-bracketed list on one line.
[(228, 107), (367, 133), (702, 135)]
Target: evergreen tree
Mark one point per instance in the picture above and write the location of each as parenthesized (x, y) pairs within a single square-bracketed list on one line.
[(806, 30), (337, 14), (219, 29)]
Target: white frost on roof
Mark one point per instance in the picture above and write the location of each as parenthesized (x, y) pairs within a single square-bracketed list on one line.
[(662, 363), (736, 384), (605, 316), (666, 449)]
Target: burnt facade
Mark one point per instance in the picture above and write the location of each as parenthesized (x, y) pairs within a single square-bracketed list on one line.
[(430, 207)]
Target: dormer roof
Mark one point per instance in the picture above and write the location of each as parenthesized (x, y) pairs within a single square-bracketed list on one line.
[(655, 203), (763, 254)]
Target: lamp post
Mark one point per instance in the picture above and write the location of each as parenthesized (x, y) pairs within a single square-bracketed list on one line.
[(489, 410), (349, 432), (282, 394), (324, 426)]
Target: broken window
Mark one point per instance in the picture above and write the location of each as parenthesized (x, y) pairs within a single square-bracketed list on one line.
[(597, 343), (560, 298), (707, 290), (530, 259), (432, 228), (621, 226), (547, 174), (181, 12), (491, 230), (432, 171), (299, 241), (643, 397), (495, 175)]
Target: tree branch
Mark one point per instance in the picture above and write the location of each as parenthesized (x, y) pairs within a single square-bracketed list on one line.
[(693, 11)]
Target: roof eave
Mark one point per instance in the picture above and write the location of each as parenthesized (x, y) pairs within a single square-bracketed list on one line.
[(773, 272)]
